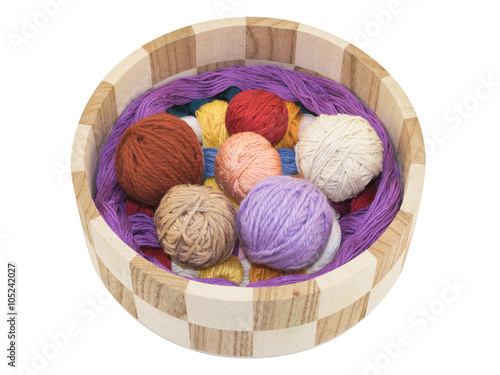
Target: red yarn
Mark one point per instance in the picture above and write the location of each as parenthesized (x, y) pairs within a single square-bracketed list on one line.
[(364, 199), (132, 207), (257, 111), (155, 154), (159, 254)]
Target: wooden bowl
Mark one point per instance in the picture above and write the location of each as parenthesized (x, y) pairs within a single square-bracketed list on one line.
[(232, 321)]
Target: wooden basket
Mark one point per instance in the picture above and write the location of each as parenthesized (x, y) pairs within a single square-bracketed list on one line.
[(232, 321)]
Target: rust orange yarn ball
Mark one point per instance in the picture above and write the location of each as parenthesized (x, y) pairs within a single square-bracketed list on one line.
[(257, 111), (242, 161), (155, 154)]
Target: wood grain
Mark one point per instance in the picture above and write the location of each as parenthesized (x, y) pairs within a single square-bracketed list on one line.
[(362, 75), (101, 113), (285, 306), (389, 247), (217, 341), (172, 53), (320, 53), (85, 203), (123, 295), (338, 323), (159, 288), (268, 39)]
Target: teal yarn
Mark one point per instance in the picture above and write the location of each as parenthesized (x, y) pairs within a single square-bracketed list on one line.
[(190, 108)]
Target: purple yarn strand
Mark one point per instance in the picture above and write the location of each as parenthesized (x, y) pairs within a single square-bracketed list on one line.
[(317, 94)]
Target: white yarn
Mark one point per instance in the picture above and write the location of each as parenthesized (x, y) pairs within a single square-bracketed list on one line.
[(307, 119), (339, 154), (331, 247), (246, 271), (193, 123), (183, 270)]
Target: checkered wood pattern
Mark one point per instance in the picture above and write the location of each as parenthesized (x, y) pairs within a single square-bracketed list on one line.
[(258, 322)]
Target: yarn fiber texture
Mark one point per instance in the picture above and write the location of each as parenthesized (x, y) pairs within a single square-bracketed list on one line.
[(340, 154), (314, 94), (293, 236), (259, 272), (287, 157), (290, 138), (230, 269), (242, 161), (193, 124), (257, 111), (212, 183), (211, 117), (330, 250), (155, 154), (196, 225)]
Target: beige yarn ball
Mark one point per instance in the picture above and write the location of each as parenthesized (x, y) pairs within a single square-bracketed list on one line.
[(196, 225), (339, 154)]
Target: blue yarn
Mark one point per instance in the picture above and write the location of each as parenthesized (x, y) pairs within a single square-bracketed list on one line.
[(209, 159), (288, 164), (287, 156)]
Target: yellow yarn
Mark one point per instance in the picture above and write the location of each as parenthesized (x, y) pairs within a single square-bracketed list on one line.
[(260, 272), (290, 138), (231, 269), (211, 117), (211, 182)]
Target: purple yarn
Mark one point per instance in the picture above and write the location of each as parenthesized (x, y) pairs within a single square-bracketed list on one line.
[(296, 232), (317, 94), (143, 230)]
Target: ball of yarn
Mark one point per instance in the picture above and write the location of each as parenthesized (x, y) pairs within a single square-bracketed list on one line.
[(307, 119), (330, 250), (230, 269), (257, 111), (214, 185), (259, 272), (211, 117), (290, 138), (242, 161), (339, 154), (155, 154), (193, 124), (284, 223), (196, 225)]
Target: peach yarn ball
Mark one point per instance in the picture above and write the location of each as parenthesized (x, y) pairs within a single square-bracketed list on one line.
[(242, 161)]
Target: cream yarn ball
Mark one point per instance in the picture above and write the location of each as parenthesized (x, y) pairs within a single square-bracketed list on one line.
[(331, 248), (193, 123), (340, 154)]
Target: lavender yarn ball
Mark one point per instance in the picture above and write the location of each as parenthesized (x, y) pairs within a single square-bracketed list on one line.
[(284, 223)]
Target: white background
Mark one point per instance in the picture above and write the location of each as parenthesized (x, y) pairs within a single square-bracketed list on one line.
[(441, 53)]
